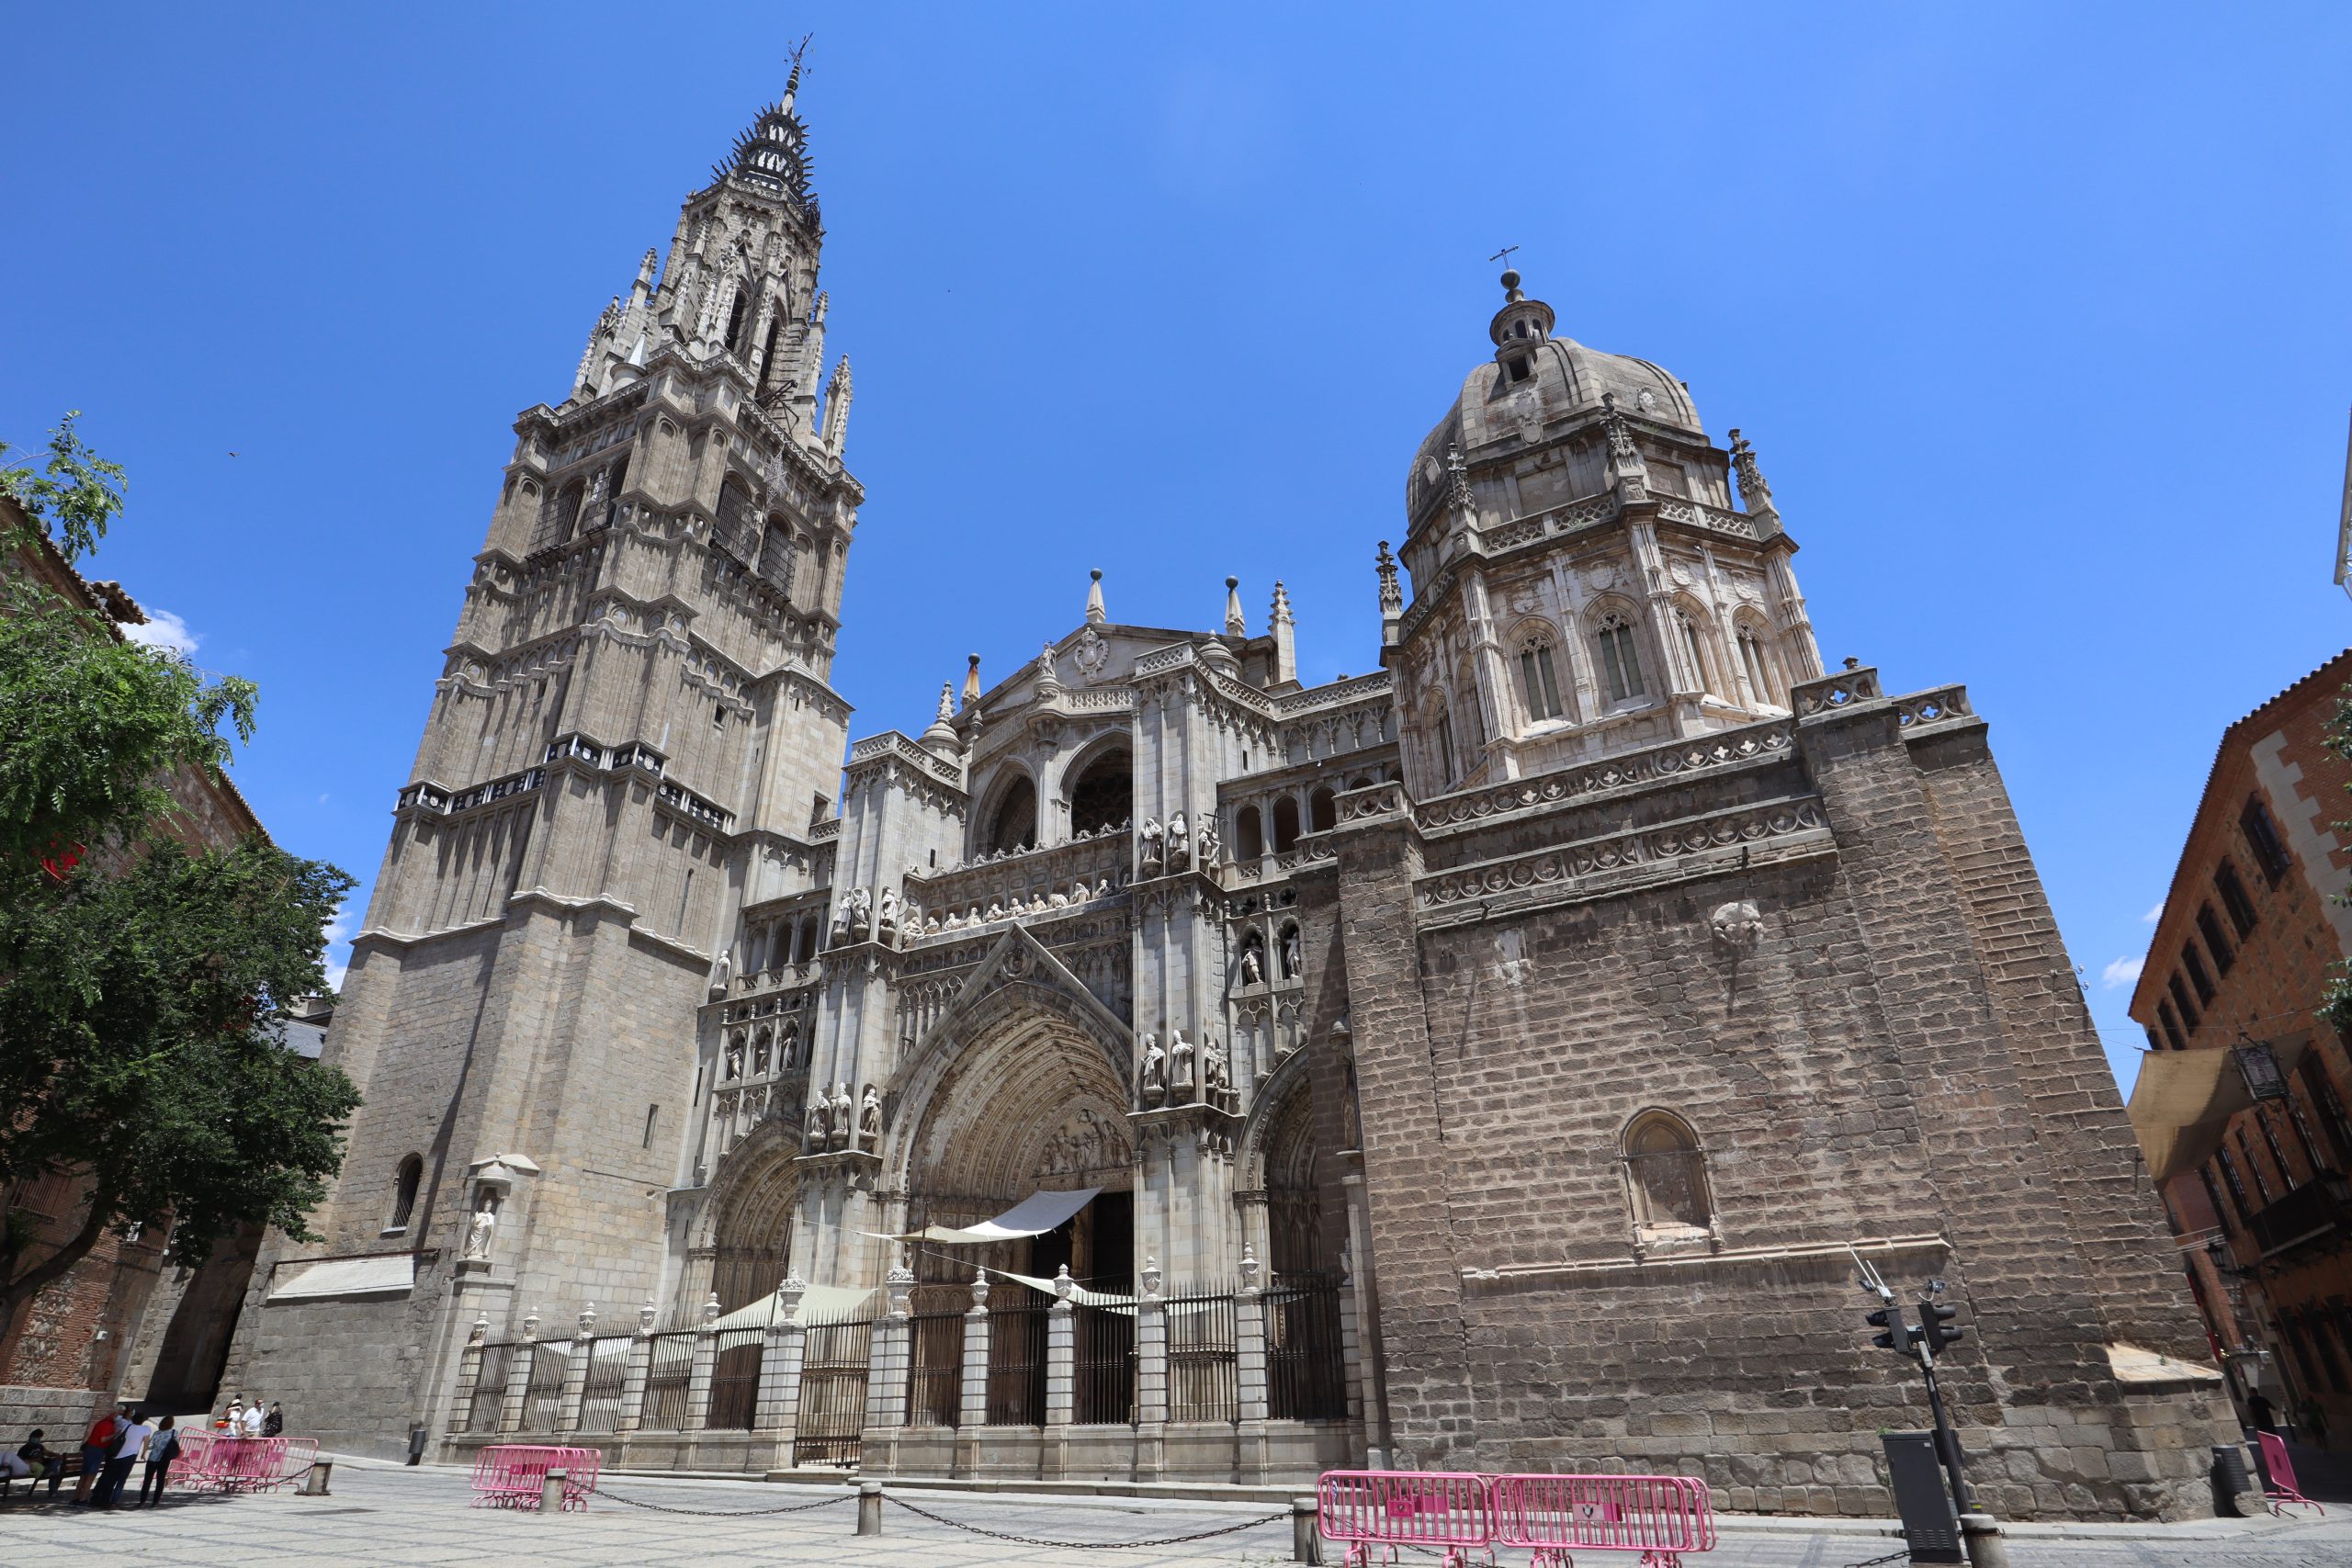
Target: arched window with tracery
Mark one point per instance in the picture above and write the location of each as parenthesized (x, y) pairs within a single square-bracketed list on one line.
[(737, 530), (1322, 811), (1013, 824), (1103, 795), (739, 320), (1756, 659), (1665, 1179), (1249, 834), (1539, 680), (1691, 625), (1442, 742), (564, 514), (1286, 824), (405, 1182), (1620, 656), (776, 553)]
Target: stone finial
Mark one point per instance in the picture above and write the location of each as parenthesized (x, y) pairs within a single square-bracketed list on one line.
[(645, 1317), (585, 1326), (1095, 614), (531, 1327), (789, 1293), (1049, 680), (1235, 624), (1063, 1283), (1392, 595), (1753, 491), (941, 738), (479, 1332), (972, 681), (1249, 1265), (1151, 1277), (979, 1290), (1458, 478), (711, 1309), (1281, 616)]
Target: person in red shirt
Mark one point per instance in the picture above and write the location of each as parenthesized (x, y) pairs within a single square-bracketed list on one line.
[(96, 1443)]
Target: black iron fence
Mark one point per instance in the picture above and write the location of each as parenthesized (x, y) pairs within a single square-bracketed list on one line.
[(1016, 1356), (735, 1380), (934, 1369), (1202, 1374), (1103, 1366), (490, 1389), (543, 1396), (600, 1395), (1305, 1373), (832, 1392), (668, 1368)]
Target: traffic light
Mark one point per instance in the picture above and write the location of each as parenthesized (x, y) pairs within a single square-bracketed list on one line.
[(1935, 1327), (1894, 1334)]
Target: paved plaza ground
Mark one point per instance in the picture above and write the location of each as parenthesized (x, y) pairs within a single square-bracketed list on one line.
[(388, 1515)]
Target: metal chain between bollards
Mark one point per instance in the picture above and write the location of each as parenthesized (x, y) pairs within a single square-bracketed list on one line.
[(722, 1513), (1085, 1545)]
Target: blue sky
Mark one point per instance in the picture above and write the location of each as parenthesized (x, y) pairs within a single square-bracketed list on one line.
[(2037, 316)]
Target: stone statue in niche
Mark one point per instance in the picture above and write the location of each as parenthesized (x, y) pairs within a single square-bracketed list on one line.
[(858, 910), (1180, 1067), (817, 1129), (759, 1057), (1206, 847), (1216, 1072), (1079, 892), (837, 1129), (869, 1120), (479, 1227), (1153, 1076), (1252, 972), (1290, 953), (886, 923), (735, 1059), (1150, 833), (1180, 852), (723, 970), (1739, 926)]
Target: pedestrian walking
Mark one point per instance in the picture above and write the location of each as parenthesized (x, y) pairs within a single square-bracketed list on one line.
[(273, 1424), (254, 1418), (232, 1420), (95, 1444), (161, 1449), (129, 1444)]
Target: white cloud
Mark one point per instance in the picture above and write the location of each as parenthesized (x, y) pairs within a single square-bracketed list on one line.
[(2152, 916), (164, 629), (335, 972), (322, 800), (2124, 971), (339, 928)]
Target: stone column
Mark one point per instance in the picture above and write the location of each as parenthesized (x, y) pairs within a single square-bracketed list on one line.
[(518, 1378), (1060, 1377), (640, 1366), (461, 1409), (705, 1361), (781, 1359), (1249, 1369), (1151, 1375), (575, 1376), (885, 1376), (974, 1415)]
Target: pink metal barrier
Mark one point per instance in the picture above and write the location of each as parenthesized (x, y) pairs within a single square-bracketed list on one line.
[(2280, 1471), (1404, 1507), (1660, 1517), (214, 1461), (513, 1475)]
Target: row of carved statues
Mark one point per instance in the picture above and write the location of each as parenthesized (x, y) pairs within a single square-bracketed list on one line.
[(1173, 845), (1166, 1077), (836, 1123)]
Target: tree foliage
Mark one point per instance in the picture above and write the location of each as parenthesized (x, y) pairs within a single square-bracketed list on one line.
[(140, 982)]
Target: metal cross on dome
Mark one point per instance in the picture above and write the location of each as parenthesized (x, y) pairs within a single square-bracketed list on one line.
[(1503, 254)]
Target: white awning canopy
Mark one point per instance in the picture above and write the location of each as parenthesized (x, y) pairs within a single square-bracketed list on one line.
[(2182, 1101), (1033, 1215), (348, 1277), (820, 1303)]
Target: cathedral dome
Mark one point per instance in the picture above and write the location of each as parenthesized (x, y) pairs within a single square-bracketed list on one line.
[(1536, 383)]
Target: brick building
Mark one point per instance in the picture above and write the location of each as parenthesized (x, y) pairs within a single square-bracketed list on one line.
[(2242, 955), (71, 1346), (1494, 1060)]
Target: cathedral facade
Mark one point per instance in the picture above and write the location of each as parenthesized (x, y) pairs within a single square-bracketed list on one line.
[(1160, 1068)]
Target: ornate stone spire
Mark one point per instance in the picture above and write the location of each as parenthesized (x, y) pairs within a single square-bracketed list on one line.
[(837, 408), (1285, 635), (1626, 470), (940, 737), (1095, 614), (1281, 616), (774, 155), (972, 681), (1753, 491), (1235, 624), (1392, 595)]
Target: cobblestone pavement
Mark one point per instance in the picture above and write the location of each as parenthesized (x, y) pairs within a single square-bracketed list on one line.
[(386, 1514)]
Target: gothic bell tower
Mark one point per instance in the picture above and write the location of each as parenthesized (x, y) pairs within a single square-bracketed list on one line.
[(634, 734)]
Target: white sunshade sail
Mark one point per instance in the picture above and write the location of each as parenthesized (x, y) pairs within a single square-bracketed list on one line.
[(1033, 1215), (2182, 1102)]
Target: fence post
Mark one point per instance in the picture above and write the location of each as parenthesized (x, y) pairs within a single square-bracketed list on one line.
[(780, 1361), (974, 1412), (706, 1360), (575, 1376), (461, 1408), (1355, 1369), (1250, 1368), (640, 1364), (1061, 1376), (1151, 1374), (885, 1371), (519, 1377)]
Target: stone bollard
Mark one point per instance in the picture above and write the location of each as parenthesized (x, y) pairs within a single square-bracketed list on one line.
[(1305, 1540), (869, 1508), (1981, 1534), (315, 1484), (551, 1490)]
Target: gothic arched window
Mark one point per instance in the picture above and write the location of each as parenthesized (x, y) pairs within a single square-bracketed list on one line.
[(405, 1182), (1754, 659), (737, 529), (1104, 794), (738, 319), (1442, 736), (1666, 1178), (1322, 811), (566, 515), (1539, 680), (1249, 834), (1286, 824), (776, 552), (1013, 825), (1621, 659), (1694, 643)]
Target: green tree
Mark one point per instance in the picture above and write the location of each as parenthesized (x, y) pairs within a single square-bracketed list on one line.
[(139, 980)]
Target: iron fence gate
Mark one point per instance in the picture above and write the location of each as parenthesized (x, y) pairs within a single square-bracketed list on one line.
[(543, 1396), (600, 1396), (1102, 1347), (669, 1366), (1305, 1380), (1204, 1379), (935, 1370), (1016, 1362), (832, 1392), (489, 1388), (735, 1380)]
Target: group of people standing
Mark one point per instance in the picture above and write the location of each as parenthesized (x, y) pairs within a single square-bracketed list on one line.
[(120, 1439)]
